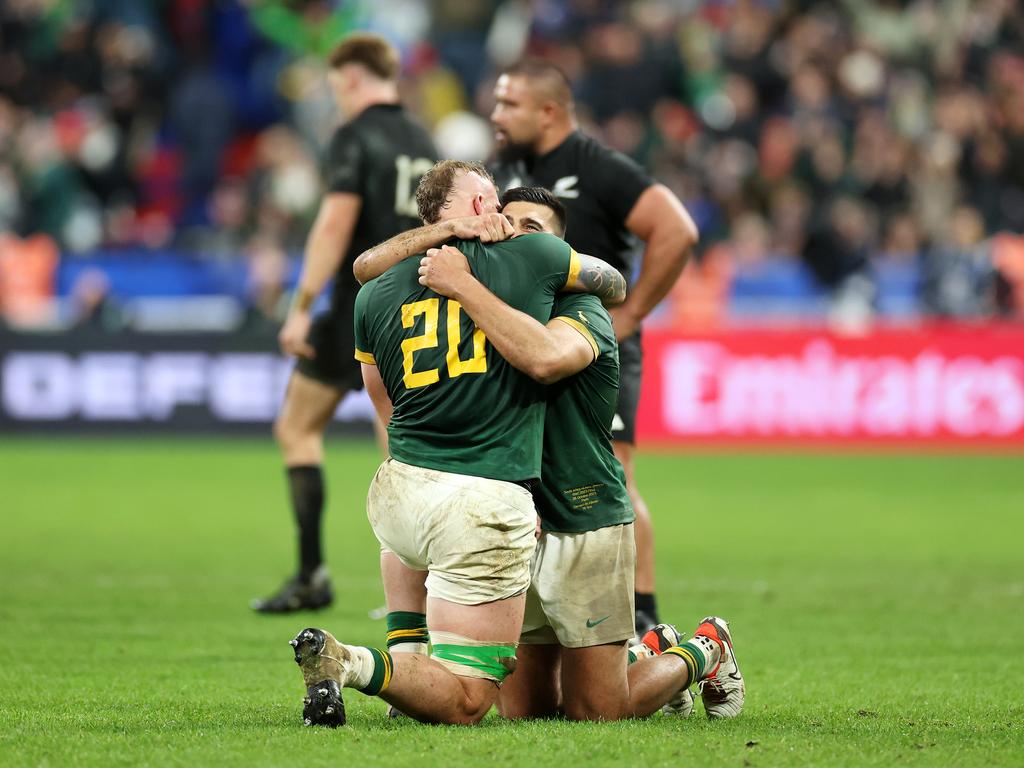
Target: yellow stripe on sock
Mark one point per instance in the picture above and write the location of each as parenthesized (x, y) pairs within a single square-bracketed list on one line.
[(406, 633), (687, 656), (388, 669)]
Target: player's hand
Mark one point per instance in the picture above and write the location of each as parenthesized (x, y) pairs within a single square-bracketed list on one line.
[(442, 269), (294, 332), (624, 321), (488, 228)]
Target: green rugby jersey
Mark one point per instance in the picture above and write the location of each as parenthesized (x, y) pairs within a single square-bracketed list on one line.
[(458, 405), (582, 486)]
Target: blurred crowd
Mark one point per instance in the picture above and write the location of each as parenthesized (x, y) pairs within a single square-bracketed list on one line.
[(846, 135)]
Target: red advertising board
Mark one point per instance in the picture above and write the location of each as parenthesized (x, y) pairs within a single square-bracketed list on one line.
[(951, 385)]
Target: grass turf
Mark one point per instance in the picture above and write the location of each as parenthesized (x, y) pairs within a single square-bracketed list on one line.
[(877, 604)]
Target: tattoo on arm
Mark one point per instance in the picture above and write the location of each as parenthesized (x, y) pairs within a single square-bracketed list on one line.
[(375, 261), (417, 240), (602, 280)]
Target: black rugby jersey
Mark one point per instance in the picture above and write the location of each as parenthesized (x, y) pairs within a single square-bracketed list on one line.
[(380, 156), (598, 187)]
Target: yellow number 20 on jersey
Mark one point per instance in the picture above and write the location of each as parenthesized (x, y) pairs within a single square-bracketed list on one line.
[(430, 308)]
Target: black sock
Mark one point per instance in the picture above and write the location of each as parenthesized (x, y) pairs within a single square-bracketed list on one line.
[(646, 610), (307, 486)]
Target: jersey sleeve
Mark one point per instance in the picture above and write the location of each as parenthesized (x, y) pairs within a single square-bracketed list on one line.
[(360, 323), (554, 263), (344, 169), (617, 182), (586, 315)]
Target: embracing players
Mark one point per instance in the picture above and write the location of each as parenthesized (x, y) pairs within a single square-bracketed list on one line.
[(464, 434), (579, 608)]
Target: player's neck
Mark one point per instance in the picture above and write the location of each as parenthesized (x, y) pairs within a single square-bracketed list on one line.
[(554, 138), (383, 94)]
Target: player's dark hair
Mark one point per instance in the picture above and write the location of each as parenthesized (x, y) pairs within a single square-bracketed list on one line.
[(371, 51), (554, 79), (537, 196), (436, 186)]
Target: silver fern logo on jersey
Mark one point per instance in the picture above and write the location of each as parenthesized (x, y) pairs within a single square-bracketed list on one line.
[(566, 187)]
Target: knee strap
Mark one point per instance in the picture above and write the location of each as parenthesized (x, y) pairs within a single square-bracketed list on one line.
[(467, 657)]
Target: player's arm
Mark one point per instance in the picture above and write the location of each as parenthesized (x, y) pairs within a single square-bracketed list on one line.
[(488, 228), (326, 246), (378, 394), (544, 353), (598, 278), (661, 221), (364, 353)]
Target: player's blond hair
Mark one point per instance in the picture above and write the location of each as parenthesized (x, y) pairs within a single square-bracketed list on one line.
[(436, 186)]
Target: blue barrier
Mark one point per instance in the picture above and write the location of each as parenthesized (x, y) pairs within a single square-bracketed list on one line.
[(774, 287)]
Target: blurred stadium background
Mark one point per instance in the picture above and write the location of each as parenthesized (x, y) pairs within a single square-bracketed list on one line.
[(856, 170)]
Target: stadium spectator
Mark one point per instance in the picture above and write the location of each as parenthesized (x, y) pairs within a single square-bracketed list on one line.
[(1008, 257), (27, 271), (266, 285), (771, 109), (92, 306)]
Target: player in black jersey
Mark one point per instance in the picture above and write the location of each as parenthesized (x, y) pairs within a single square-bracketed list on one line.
[(373, 165), (609, 199)]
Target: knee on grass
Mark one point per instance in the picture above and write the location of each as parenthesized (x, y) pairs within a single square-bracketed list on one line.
[(595, 708), (477, 702)]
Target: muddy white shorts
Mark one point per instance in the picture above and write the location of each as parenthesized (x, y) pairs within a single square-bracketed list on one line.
[(581, 590), (474, 536)]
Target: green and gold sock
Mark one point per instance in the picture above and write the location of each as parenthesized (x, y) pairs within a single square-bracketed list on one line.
[(368, 670), (407, 632), (696, 657), (383, 668)]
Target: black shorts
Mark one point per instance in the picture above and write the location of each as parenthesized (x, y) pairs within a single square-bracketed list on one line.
[(332, 339), (631, 363)]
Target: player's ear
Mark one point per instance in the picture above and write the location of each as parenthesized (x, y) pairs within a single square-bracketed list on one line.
[(548, 113), (478, 204)]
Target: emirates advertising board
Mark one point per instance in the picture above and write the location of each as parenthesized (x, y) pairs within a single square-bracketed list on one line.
[(943, 385), (938, 386)]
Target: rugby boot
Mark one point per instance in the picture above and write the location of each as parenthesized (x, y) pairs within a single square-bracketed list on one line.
[(324, 663), (723, 691), (298, 594), (661, 637)]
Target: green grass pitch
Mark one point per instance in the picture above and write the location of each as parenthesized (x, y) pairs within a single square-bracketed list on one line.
[(877, 604)]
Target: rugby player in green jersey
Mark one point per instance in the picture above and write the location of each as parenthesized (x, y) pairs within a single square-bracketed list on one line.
[(465, 437), (579, 605)]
